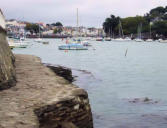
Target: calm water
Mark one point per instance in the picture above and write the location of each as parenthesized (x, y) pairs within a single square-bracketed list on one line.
[(113, 80)]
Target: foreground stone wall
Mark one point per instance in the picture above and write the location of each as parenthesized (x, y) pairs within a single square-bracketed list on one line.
[(74, 112), (2, 20), (42, 99), (7, 71)]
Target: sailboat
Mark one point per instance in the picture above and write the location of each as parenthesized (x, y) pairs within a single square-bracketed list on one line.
[(99, 39), (149, 40), (76, 44), (107, 39), (121, 34), (39, 40), (138, 39)]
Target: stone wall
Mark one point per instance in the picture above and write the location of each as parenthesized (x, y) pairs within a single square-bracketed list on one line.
[(7, 71), (71, 112), (2, 20), (41, 99)]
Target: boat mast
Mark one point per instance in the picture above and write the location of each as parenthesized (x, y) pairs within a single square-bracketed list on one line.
[(141, 31), (138, 31), (121, 34), (121, 30), (77, 23), (150, 29), (39, 30)]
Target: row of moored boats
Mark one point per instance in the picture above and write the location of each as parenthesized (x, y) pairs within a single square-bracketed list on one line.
[(129, 39), (22, 42)]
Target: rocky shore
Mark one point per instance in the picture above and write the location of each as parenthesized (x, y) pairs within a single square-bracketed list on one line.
[(42, 99), (64, 72), (34, 96), (7, 70)]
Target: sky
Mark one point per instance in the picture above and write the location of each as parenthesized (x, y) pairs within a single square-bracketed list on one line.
[(92, 13)]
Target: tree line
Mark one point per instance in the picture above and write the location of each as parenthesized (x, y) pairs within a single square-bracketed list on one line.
[(156, 19), (35, 28)]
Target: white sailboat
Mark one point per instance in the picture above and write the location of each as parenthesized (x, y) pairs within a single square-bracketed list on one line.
[(99, 39), (107, 39), (139, 38), (150, 40), (39, 40), (163, 41), (127, 39), (76, 43), (121, 34)]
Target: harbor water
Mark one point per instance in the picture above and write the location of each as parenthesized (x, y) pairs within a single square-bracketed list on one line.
[(124, 91)]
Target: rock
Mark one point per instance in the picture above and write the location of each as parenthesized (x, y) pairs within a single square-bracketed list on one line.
[(40, 100), (145, 100), (7, 70), (64, 72), (79, 92), (68, 125)]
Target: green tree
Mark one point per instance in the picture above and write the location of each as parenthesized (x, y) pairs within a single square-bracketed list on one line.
[(160, 27), (158, 12), (110, 25), (130, 24), (33, 28), (57, 30), (58, 24)]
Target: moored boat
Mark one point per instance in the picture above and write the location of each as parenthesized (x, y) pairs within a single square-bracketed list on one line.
[(45, 42), (149, 40), (121, 34), (17, 43), (127, 39), (119, 39), (138, 40), (85, 43), (72, 46), (99, 39), (39, 40), (107, 39), (163, 41)]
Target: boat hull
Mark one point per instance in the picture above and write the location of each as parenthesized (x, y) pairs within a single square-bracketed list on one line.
[(163, 41), (72, 47)]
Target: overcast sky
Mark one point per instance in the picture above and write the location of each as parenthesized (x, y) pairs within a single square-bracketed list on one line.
[(91, 12)]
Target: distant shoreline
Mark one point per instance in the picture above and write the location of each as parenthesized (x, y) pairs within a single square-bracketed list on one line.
[(49, 36)]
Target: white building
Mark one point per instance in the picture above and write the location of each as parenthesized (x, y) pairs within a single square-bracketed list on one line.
[(12, 23), (47, 32)]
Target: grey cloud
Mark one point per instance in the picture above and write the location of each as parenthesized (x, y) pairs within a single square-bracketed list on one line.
[(91, 12)]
